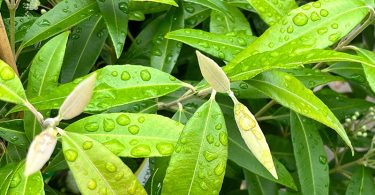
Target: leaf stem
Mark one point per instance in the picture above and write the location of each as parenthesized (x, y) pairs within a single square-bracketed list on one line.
[(344, 166), (265, 108)]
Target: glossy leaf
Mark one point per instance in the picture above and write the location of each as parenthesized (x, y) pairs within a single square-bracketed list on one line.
[(368, 69), (147, 7), (165, 52), (6, 176), (43, 77), (131, 135), (272, 11), (349, 70), (291, 93), (221, 46), (314, 25), (221, 24), (362, 182), (257, 185), (22, 25), (14, 154), (115, 15), (57, 163), (11, 89), (312, 78), (137, 82), (169, 2), (198, 164), (12, 132), (284, 58), (195, 14), (311, 159), (214, 5), (180, 117), (61, 17), (83, 49), (95, 169), (23, 185)]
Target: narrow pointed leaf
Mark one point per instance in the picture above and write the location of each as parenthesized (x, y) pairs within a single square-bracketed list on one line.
[(115, 15), (272, 11), (6, 177), (22, 24), (137, 82), (291, 93), (95, 169), (310, 156), (78, 99), (83, 49), (312, 78), (131, 135), (221, 46), (257, 185), (12, 132), (164, 51), (314, 25), (195, 14), (169, 2), (43, 77), (221, 24), (362, 182), (11, 89), (214, 5), (61, 17), (198, 164), (213, 73), (368, 69)]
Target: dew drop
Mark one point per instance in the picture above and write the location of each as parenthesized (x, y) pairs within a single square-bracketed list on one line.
[(108, 124), (241, 41), (123, 120), (244, 85), (247, 123), (223, 138), (300, 19), (324, 13), (322, 30), (15, 180), (221, 55), (133, 129), (209, 156), (203, 44), (133, 142), (316, 4), (110, 167), (334, 37), (114, 73), (7, 73), (322, 159), (172, 78), (190, 9), (334, 25), (220, 168), (306, 7), (141, 150), (141, 119), (119, 176), (123, 6), (314, 16), (91, 126), (165, 148), (210, 139), (145, 75), (44, 23), (290, 29), (70, 155), (218, 126), (87, 145), (125, 76), (91, 184), (14, 138)]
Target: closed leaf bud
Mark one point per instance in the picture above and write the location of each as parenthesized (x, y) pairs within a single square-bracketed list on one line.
[(213, 73), (253, 137), (78, 99), (40, 150)]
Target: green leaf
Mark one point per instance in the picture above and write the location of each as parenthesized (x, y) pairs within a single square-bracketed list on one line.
[(64, 15), (169, 2), (311, 159), (180, 116), (214, 5), (22, 25), (221, 24), (198, 164), (165, 52), (349, 70), (312, 78), (291, 93), (137, 82), (23, 185), (6, 175), (221, 46), (195, 14), (362, 182), (58, 163), (314, 25), (286, 58), (43, 77), (115, 15), (272, 11), (14, 153), (147, 7), (83, 48), (11, 89), (257, 185), (12, 132), (95, 169), (368, 69), (131, 135)]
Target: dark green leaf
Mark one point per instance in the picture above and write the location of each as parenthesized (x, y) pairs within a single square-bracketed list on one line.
[(214, 5), (22, 25), (362, 182), (257, 185), (6, 175), (368, 69), (195, 14), (169, 2), (312, 78), (12, 132)]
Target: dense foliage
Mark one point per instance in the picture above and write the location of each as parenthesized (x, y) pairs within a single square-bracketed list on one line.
[(113, 97)]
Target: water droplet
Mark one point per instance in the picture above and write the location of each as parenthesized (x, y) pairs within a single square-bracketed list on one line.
[(44, 23), (221, 55), (7, 73), (87, 145), (123, 6), (172, 78), (323, 159), (123, 120), (220, 168), (141, 150), (141, 119), (156, 52), (165, 148), (203, 44), (210, 139), (322, 30), (133, 129), (14, 138), (114, 73), (145, 75), (125, 76), (257, 133), (241, 41), (334, 37), (190, 9), (218, 126), (91, 184), (108, 124), (334, 25), (15, 180), (324, 13), (209, 156), (306, 7), (204, 186), (70, 155), (110, 167), (300, 19), (290, 29), (314, 16), (115, 146), (316, 4), (91, 126), (223, 138)]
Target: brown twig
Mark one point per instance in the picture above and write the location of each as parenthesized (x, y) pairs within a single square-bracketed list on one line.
[(5, 50)]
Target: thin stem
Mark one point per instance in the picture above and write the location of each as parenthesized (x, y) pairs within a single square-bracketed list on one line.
[(12, 16), (265, 108), (344, 166), (130, 36)]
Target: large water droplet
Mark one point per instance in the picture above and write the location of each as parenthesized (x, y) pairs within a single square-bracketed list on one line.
[(145, 75), (220, 168), (165, 148), (247, 123), (314, 16), (108, 124), (87, 145), (123, 120), (300, 19), (218, 126), (133, 129), (91, 184), (91, 126), (115, 146), (324, 13), (322, 30), (123, 6), (15, 180), (7, 73), (70, 155), (334, 37), (223, 138), (209, 156), (125, 76), (316, 4), (110, 167), (114, 73), (210, 139), (141, 150)]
